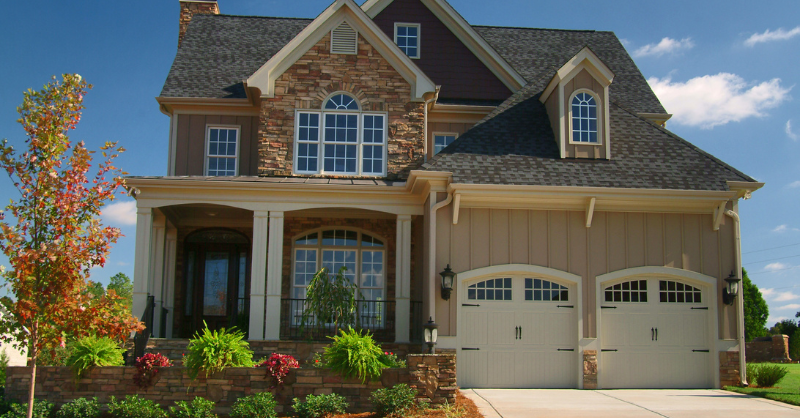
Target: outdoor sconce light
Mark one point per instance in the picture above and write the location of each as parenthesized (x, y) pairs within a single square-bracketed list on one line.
[(729, 293), (431, 334), (447, 282)]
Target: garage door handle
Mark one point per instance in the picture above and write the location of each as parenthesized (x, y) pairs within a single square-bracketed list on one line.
[(566, 349), (516, 333), (469, 304), (565, 306), (469, 349), (609, 349), (704, 308), (699, 351), (656, 334), (652, 334)]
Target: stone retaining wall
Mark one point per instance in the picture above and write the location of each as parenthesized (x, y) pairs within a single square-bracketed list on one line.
[(432, 375), (773, 349)]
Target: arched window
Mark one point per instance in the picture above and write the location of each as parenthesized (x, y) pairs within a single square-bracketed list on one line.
[(633, 291), (584, 119), (545, 290), (671, 291), (340, 139), (492, 289)]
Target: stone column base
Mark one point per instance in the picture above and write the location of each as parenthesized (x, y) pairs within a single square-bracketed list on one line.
[(590, 369), (729, 369)]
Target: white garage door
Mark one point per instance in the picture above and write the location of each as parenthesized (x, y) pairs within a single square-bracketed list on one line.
[(655, 334), (518, 332)]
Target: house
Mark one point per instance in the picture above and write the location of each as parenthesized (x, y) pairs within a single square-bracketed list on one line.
[(396, 139)]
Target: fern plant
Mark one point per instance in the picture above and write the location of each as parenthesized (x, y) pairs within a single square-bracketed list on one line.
[(90, 352), (214, 351), (330, 299), (353, 354)]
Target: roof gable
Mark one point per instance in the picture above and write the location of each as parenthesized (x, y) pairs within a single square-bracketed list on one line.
[(585, 59), (338, 12)]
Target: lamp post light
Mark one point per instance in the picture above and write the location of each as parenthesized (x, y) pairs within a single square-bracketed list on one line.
[(729, 293), (447, 282), (431, 334)]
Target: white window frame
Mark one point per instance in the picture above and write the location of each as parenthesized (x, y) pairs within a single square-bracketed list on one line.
[(359, 144), (206, 154), (435, 134), (419, 37), (600, 118)]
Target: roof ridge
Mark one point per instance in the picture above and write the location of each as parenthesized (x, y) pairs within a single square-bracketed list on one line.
[(254, 17), (548, 29)]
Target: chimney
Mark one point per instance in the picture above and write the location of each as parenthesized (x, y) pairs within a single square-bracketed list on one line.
[(189, 8)]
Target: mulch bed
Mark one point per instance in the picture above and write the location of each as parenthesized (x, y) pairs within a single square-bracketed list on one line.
[(463, 405)]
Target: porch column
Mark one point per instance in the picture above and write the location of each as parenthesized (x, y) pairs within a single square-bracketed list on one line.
[(141, 270), (258, 274), (157, 269), (402, 315), (272, 329), (169, 277)]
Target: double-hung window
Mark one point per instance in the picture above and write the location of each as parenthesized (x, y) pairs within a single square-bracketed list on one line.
[(406, 36), (340, 139), (222, 149), (442, 140)]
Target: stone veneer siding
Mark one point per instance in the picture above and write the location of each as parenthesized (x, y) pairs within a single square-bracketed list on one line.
[(316, 75), (774, 350), (729, 368), (432, 375), (590, 369)]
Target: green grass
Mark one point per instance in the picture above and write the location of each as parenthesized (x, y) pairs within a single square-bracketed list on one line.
[(787, 390)]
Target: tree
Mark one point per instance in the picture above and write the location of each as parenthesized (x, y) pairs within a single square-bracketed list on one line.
[(57, 237), (95, 289), (121, 285), (785, 327), (756, 310)]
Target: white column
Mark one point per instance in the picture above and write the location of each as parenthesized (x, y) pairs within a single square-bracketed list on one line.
[(141, 270), (169, 277), (402, 315), (157, 268), (258, 274), (272, 328)]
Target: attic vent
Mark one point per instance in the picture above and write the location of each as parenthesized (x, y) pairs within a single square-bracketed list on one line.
[(344, 40)]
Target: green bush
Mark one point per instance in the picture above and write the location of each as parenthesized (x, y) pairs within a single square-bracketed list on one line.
[(391, 360), (214, 351), (320, 406), (135, 407), (198, 408), (3, 364), (352, 354), (41, 409), (395, 401), (90, 352), (766, 375), (260, 405), (80, 408)]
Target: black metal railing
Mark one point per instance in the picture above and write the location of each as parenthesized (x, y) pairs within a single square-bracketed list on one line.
[(141, 338), (416, 322), (375, 316)]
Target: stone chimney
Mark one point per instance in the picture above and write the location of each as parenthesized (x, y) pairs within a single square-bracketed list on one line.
[(189, 8)]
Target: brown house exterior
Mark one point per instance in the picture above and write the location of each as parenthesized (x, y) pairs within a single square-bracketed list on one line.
[(590, 244)]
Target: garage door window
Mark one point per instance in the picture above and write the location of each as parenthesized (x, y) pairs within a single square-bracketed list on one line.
[(632, 291), (492, 289), (544, 290), (676, 292)]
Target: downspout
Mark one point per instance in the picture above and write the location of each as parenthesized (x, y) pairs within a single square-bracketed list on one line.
[(432, 252), (425, 122), (740, 308)]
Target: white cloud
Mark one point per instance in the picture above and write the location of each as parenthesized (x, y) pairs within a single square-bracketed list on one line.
[(776, 266), (781, 228), (766, 293), (122, 213), (666, 46), (776, 296), (795, 184), (768, 36), (792, 306), (775, 319), (793, 136), (718, 99)]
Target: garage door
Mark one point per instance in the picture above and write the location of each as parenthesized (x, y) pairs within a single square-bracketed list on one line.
[(655, 334), (518, 332)]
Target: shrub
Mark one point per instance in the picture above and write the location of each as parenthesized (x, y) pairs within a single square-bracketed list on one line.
[(260, 405), (278, 366), (318, 360), (41, 409), (396, 400), (135, 407), (352, 354), (90, 352), (198, 408), (766, 375), (3, 365), (147, 367), (390, 360), (80, 408), (320, 406), (213, 351)]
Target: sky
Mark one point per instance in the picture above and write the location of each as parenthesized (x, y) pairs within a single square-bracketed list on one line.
[(725, 69)]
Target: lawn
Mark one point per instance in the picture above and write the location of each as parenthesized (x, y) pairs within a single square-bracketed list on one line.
[(787, 390)]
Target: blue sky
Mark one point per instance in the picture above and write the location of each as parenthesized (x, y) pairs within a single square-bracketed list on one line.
[(726, 69)]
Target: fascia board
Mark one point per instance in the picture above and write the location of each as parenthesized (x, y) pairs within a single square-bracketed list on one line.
[(743, 189), (583, 59), (373, 7), (340, 11)]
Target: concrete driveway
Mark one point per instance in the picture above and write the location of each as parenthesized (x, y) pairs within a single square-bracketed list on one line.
[(542, 403)]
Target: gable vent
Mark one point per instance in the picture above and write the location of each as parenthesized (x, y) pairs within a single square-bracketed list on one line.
[(344, 40)]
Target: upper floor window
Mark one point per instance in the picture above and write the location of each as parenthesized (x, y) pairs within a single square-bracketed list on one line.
[(222, 151), (406, 36), (442, 140), (340, 139), (584, 118)]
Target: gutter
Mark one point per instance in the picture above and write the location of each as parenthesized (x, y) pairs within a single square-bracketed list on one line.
[(740, 305)]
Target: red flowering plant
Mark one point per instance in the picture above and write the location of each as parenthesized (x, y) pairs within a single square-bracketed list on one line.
[(278, 366), (147, 367), (390, 359)]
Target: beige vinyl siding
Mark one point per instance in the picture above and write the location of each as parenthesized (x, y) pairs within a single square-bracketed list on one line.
[(584, 80), (445, 127), (191, 142), (560, 240)]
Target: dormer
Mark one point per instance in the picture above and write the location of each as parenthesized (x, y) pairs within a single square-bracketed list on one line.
[(577, 103)]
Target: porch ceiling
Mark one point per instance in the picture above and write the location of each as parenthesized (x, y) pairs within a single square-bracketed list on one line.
[(207, 215)]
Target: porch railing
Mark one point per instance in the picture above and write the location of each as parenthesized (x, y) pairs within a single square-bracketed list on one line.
[(376, 316)]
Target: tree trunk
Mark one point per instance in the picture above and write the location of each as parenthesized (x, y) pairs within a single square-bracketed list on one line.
[(34, 355)]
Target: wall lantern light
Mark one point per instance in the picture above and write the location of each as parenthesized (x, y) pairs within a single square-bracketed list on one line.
[(447, 282), (729, 293), (431, 334)]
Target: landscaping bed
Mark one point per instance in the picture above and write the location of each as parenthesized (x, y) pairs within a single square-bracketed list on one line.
[(462, 408), (787, 390)]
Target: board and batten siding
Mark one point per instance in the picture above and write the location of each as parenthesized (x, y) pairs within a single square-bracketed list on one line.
[(190, 143), (560, 240)]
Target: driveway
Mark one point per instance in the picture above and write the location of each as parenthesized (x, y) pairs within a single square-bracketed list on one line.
[(542, 403)]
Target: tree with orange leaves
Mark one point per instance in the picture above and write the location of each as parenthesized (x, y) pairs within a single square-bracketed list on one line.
[(57, 236)]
